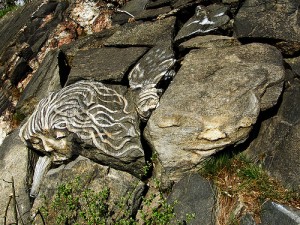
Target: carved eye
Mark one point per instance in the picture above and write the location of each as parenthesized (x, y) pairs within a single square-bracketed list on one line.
[(35, 140), (60, 135)]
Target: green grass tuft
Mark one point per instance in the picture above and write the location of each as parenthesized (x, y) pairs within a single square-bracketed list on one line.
[(6, 10)]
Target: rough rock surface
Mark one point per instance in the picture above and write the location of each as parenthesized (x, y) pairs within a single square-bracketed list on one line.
[(294, 63), (88, 118), (96, 178), (247, 220), (274, 213), (194, 194), (14, 164), (209, 41), (94, 64), (205, 20), (270, 19), (178, 62), (141, 34), (227, 90), (277, 144), (45, 80)]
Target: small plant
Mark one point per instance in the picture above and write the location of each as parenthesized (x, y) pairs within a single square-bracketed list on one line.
[(239, 181), (6, 10), (73, 203), (216, 164)]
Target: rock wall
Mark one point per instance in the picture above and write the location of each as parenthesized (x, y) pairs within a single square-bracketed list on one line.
[(121, 93)]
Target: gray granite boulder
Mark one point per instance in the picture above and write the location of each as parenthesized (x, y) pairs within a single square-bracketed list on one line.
[(14, 164), (123, 188), (104, 64), (205, 20), (277, 143), (273, 213), (91, 119), (194, 195), (274, 20), (212, 103)]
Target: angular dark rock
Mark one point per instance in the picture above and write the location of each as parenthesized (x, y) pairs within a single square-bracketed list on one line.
[(247, 220), (19, 72), (277, 143), (205, 20), (294, 63), (157, 4), (14, 164), (143, 34), (91, 119), (44, 10), (45, 80), (194, 195), (95, 40), (104, 64), (4, 100), (152, 13), (213, 102), (122, 186), (183, 3), (10, 27), (133, 7), (273, 214), (275, 20)]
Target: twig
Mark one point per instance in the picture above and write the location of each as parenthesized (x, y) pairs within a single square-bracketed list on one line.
[(41, 215), (6, 210), (14, 200)]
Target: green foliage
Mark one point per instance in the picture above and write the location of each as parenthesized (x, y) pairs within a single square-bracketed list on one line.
[(216, 164), (74, 204), (18, 117), (236, 178), (6, 10)]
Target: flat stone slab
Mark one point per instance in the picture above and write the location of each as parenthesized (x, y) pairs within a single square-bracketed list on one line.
[(143, 34), (103, 64), (133, 7), (213, 102), (194, 195), (274, 213), (209, 41)]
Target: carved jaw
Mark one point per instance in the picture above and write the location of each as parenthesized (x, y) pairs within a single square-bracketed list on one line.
[(148, 100)]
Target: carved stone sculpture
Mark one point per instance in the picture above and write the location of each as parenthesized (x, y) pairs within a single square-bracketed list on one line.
[(156, 65), (90, 119)]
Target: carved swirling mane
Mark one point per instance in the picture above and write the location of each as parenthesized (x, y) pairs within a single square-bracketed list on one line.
[(96, 113)]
